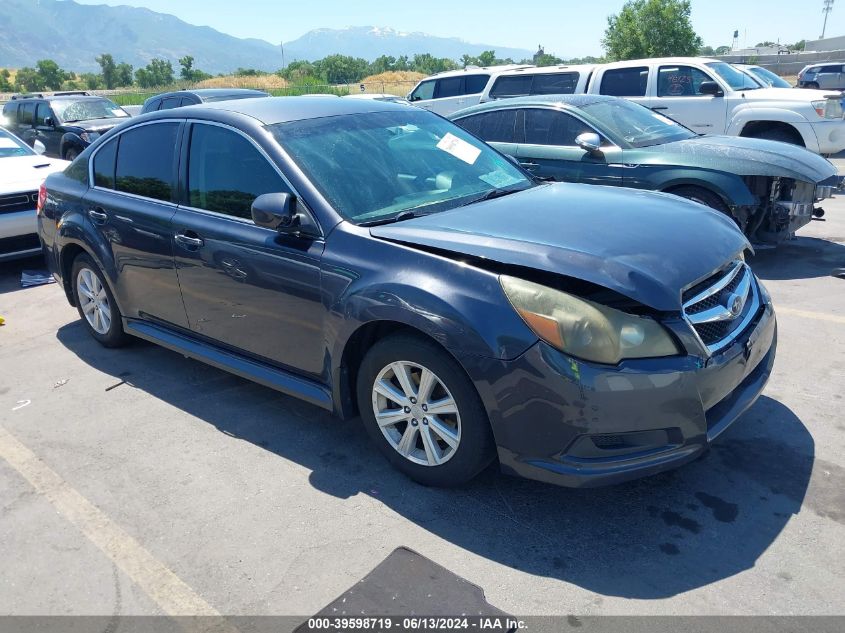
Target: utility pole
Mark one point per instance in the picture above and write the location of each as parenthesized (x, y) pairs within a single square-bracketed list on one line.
[(826, 9), (282, 46)]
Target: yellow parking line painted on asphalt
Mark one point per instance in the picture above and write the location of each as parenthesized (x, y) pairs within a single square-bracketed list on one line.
[(164, 587), (818, 316)]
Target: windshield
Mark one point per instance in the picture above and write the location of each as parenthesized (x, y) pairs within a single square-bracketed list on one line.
[(769, 78), (69, 111), (11, 146), (631, 124), (734, 77), (375, 166)]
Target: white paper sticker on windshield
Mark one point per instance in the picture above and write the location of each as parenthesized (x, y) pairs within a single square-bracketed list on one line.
[(7, 143), (459, 148), (498, 179)]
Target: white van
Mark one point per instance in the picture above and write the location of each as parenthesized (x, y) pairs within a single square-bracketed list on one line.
[(538, 80), (453, 90)]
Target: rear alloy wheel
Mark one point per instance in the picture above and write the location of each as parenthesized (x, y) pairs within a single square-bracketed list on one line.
[(423, 412), (95, 303)]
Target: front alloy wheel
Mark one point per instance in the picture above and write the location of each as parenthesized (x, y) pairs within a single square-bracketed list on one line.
[(423, 412), (416, 413)]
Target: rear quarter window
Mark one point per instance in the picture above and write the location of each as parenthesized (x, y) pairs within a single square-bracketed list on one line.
[(474, 84), (515, 86), (625, 82), (555, 84)]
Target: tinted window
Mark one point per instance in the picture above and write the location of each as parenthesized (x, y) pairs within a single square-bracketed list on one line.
[(550, 127), (424, 91), (151, 106), (226, 173), (554, 84), (491, 126), (625, 82), (475, 83), (145, 160), (831, 69), (680, 81), (511, 87), (450, 87), (104, 163), (41, 113), (26, 113), (170, 102)]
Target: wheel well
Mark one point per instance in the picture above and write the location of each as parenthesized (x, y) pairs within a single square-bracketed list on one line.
[(753, 128), (356, 347), (675, 188), (69, 253)]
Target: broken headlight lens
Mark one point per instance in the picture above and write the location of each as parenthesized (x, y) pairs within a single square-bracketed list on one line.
[(585, 329)]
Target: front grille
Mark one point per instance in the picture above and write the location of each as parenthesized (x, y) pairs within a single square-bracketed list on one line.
[(14, 202), (721, 308)]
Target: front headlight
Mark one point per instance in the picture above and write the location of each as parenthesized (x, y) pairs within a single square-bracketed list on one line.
[(828, 108), (89, 137), (585, 329)]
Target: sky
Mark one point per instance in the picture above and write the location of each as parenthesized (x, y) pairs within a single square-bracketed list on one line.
[(566, 28)]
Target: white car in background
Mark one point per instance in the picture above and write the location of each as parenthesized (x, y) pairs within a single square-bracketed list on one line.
[(377, 96), (22, 170), (453, 90)]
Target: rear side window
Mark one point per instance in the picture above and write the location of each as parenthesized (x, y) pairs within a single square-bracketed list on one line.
[(424, 91), (450, 87), (625, 82), (226, 173), (170, 102), (473, 84), (830, 69), (26, 113), (550, 127), (104, 164), (146, 161), (10, 112), (493, 127), (680, 81), (515, 86), (555, 84)]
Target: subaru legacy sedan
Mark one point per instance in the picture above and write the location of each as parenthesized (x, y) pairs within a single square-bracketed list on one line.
[(377, 260)]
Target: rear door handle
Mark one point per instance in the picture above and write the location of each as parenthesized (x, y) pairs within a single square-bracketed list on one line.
[(188, 241), (98, 215), (660, 108)]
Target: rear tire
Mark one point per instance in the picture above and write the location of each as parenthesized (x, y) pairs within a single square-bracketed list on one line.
[(812, 85), (95, 303), (434, 429)]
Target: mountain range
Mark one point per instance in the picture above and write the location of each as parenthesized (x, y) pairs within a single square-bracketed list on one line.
[(74, 34)]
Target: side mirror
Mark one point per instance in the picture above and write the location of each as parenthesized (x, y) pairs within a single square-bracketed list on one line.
[(48, 121), (589, 142), (277, 211), (710, 88), (39, 147)]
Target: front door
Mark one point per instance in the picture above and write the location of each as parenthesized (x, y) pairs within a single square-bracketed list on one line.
[(247, 287), (47, 134), (132, 204), (678, 97)]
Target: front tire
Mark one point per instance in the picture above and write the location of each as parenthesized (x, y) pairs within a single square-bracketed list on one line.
[(71, 154), (702, 196), (95, 303), (423, 412)]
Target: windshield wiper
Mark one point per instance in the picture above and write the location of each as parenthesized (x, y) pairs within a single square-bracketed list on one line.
[(493, 193), (403, 215)]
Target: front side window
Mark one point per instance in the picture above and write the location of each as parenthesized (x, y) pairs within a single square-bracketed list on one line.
[(629, 124), (11, 146), (680, 81), (625, 82), (69, 111), (373, 167), (734, 77), (492, 127), (551, 127), (146, 161), (516, 86), (424, 91), (226, 173), (41, 114)]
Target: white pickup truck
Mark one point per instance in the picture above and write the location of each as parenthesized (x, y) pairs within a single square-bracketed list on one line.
[(712, 97)]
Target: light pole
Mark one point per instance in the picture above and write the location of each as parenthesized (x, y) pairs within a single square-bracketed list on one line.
[(282, 46), (826, 9)]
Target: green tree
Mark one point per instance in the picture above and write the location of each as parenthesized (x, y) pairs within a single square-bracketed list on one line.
[(342, 69), (123, 74), (28, 80), (189, 73), (798, 46), (52, 77), (91, 81), (382, 64), (108, 70), (5, 80), (546, 60), (651, 28), (428, 64), (722, 50), (765, 44), (159, 72)]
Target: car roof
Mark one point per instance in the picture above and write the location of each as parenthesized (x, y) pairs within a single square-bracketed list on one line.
[(210, 93), (59, 98), (661, 60), (541, 70), (475, 70), (575, 101), (271, 110)]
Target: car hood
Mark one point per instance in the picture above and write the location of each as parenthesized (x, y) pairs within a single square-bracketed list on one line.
[(26, 173), (647, 246), (97, 125), (743, 156)]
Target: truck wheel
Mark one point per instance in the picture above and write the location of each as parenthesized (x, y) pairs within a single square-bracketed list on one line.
[(423, 412), (812, 85), (779, 134)]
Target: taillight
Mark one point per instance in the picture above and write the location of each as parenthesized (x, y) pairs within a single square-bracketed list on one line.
[(42, 198)]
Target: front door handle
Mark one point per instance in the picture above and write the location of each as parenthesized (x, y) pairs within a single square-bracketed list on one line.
[(98, 215), (189, 242), (660, 108), (528, 165)]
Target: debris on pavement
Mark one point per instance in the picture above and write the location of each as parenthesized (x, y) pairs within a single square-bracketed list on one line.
[(36, 278)]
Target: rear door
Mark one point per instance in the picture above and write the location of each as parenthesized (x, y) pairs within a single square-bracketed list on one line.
[(26, 119), (244, 286), (497, 128), (131, 204), (830, 77), (548, 149), (630, 83), (678, 97)]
